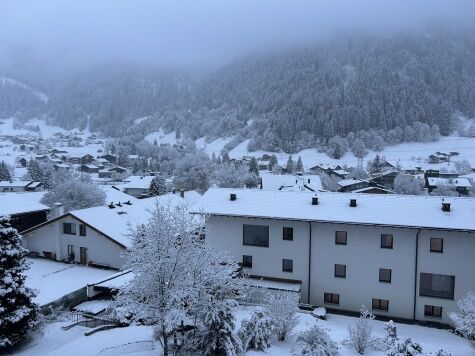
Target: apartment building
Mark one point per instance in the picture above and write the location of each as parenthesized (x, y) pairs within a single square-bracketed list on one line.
[(407, 257)]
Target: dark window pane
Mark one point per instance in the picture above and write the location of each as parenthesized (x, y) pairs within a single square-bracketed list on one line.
[(331, 298), (288, 233), (385, 275), (386, 241), (436, 285), (247, 261), (340, 271), (82, 230), (69, 228), (380, 304), (256, 235), (436, 245), (340, 237), (287, 265), (433, 311)]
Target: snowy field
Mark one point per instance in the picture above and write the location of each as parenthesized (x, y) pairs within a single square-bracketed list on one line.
[(53, 280), (137, 340)]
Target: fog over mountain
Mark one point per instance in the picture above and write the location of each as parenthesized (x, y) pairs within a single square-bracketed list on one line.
[(302, 70)]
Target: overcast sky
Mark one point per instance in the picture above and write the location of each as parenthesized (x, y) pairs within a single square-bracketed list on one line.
[(201, 31)]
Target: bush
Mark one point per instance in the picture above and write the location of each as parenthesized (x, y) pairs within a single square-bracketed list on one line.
[(360, 336), (406, 347), (282, 308), (464, 319), (256, 332), (316, 342)]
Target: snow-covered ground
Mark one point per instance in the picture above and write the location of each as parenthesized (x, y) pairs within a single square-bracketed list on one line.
[(214, 146), (406, 153), (137, 340), (53, 280), (161, 137), (39, 94)]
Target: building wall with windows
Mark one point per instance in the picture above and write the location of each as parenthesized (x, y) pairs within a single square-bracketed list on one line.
[(52, 238), (363, 255), (455, 259), (227, 233)]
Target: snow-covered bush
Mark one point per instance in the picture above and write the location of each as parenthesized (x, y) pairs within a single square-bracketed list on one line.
[(282, 308), (74, 191), (360, 336), (407, 184), (464, 319), (256, 332), (442, 352), (445, 191), (406, 347), (391, 334), (463, 166), (18, 313), (315, 342)]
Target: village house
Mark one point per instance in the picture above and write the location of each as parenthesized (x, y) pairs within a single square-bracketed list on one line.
[(89, 168), (95, 236), (24, 209), (136, 186), (386, 178), (461, 185), (286, 182), (348, 185), (348, 250), (20, 186)]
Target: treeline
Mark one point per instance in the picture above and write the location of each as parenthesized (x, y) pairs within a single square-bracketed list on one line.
[(336, 88)]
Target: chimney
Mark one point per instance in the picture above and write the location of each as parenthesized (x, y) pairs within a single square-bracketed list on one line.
[(445, 207), (58, 209), (182, 193), (353, 203), (232, 196), (111, 205), (315, 200)]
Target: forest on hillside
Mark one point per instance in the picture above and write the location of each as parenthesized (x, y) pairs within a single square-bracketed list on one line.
[(281, 101)]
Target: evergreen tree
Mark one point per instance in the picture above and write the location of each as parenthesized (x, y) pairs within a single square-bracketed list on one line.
[(272, 162), (158, 186), (17, 311), (225, 158), (253, 167), (299, 165), (4, 172), (256, 333), (290, 167)]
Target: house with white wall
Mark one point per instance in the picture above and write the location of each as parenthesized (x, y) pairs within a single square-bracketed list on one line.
[(407, 257), (95, 236)]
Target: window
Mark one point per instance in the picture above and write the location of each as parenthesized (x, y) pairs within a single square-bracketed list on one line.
[(340, 271), (256, 235), (340, 237), (437, 245), (432, 311), (70, 250), (288, 233), (385, 275), (287, 265), (386, 241), (247, 261), (331, 298), (380, 304), (436, 285), (82, 230), (69, 228)]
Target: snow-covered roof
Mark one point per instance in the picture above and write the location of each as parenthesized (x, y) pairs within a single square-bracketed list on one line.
[(91, 166), (18, 203), (291, 182), (117, 222), (449, 182), (115, 281), (18, 183), (371, 209), (350, 181), (137, 182), (364, 190), (340, 172), (275, 285)]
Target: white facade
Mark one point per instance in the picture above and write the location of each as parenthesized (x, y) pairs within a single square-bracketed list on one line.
[(51, 238), (405, 280), (363, 256)]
